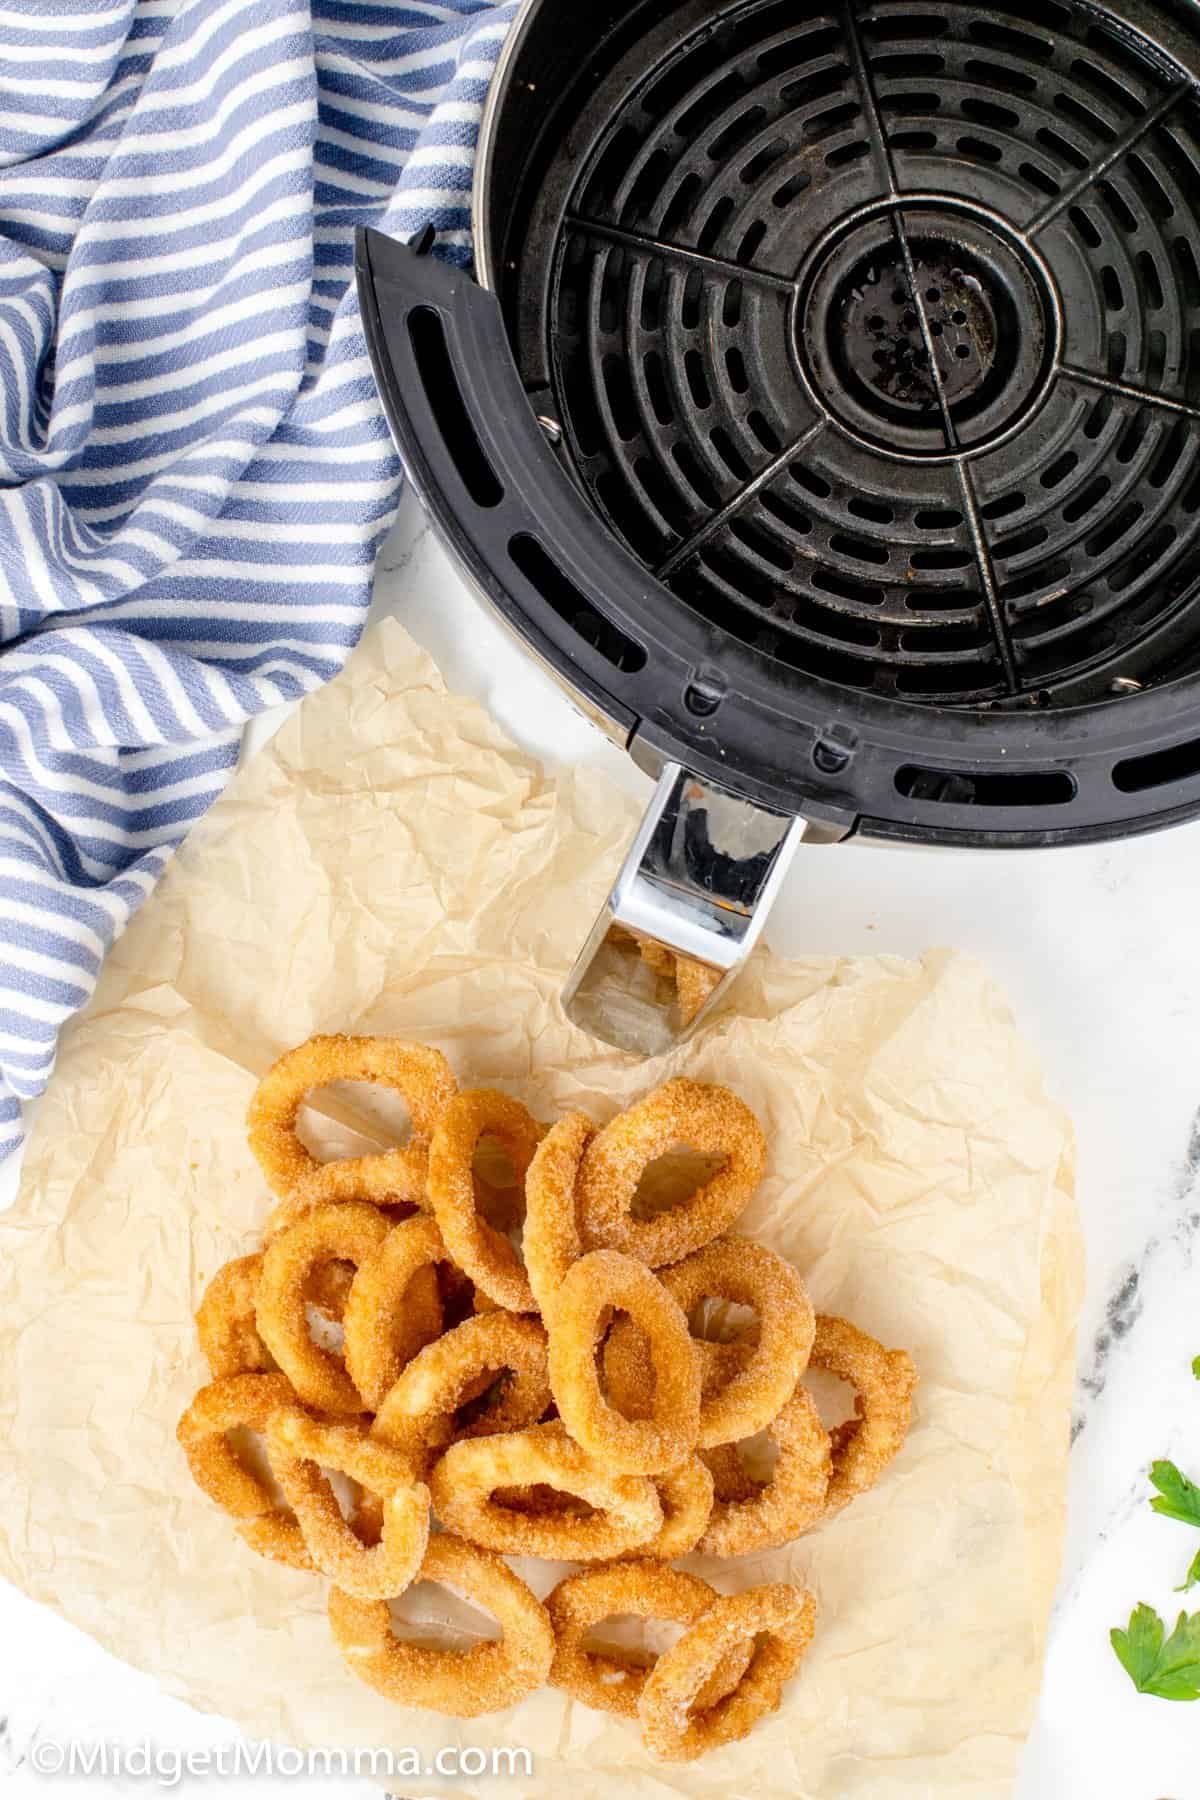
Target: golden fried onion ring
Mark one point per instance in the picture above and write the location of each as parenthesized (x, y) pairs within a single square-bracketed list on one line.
[(477, 1247), (418, 1072), (686, 1497), (784, 1616), (463, 1683), (884, 1382), (791, 1502), (394, 1307), (418, 1412), (348, 1232), (628, 1367), (220, 1407), (225, 1321), (612, 1680), (708, 1119), (277, 1535), (599, 1284), (626, 1511), (551, 1240), (395, 1179), (738, 1269), (300, 1448)]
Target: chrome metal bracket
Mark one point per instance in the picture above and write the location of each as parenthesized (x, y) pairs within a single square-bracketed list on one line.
[(697, 884)]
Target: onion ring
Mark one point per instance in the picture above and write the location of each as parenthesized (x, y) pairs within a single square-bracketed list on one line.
[(749, 1273), (347, 1232), (551, 1241), (628, 1368), (686, 1497), (394, 1308), (792, 1502), (612, 1680), (416, 1071), (732, 1480), (220, 1407), (300, 1448), (884, 1383), (277, 1535), (785, 1615), (627, 1511), (708, 1119), (741, 1514), (477, 1247), (225, 1321), (598, 1284), (393, 1179), (418, 1413), (462, 1683)]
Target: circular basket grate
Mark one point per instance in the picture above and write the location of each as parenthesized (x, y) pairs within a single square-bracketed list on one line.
[(877, 337)]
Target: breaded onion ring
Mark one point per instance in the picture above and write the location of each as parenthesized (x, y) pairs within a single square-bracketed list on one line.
[(477, 1247), (628, 1367), (708, 1119), (686, 1497), (551, 1240), (416, 1071), (418, 1413), (612, 1680), (626, 1511), (394, 1307), (300, 1448), (784, 1615), (393, 1179), (277, 1535), (225, 1321), (348, 1232), (463, 1683), (222, 1406), (884, 1382), (792, 1502), (597, 1285), (629, 1382), (737, 1269)]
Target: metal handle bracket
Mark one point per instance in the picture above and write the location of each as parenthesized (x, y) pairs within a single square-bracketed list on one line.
[(697, 883)]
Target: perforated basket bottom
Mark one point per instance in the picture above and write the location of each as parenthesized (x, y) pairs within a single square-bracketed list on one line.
[(877, 337)]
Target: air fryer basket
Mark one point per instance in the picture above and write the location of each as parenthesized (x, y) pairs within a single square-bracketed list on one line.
[(839, 390)]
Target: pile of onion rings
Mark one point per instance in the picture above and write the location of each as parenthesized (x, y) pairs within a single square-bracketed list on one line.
[(492, 1369)]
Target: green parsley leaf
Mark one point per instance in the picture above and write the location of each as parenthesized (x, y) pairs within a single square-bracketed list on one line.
[(1179, 1497), (1193, 1576), (1167, 1667), (1139, 1646)]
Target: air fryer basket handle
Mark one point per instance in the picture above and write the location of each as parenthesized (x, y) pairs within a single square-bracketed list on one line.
[(696, 885)]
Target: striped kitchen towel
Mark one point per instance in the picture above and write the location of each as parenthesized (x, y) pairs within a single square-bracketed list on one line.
[(195, 473)]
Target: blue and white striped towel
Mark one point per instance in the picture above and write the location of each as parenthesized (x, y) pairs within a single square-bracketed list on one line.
[(194, 470)]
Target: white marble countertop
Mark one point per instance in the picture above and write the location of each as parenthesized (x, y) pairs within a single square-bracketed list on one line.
[(1099, 951)]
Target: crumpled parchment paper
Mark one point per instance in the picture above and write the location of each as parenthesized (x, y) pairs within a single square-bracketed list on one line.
[(393, 864)]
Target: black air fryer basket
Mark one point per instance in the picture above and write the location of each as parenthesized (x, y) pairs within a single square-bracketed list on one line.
[(824, 413)]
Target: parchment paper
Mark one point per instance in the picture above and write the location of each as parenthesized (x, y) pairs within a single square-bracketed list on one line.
[(393, 864)]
